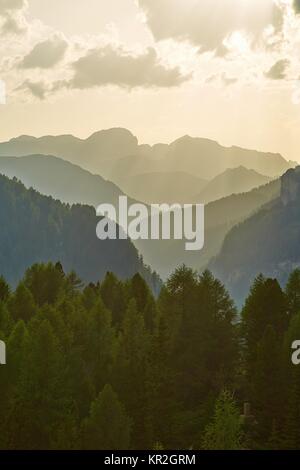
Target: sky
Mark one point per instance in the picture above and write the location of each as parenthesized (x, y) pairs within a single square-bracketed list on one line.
[(221, 69)]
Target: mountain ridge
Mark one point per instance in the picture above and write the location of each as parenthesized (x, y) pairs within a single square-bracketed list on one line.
[(81, 187), (232, 181), (104, 149), (37, 228), (266, 242)]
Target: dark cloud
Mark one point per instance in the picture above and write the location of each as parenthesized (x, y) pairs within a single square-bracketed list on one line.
[(115, 66), (278, 70), (45, 54)]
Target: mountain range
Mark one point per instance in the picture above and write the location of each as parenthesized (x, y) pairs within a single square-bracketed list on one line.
[(115, 152), (71, 184), (61, 179), (232, 181), (267, 242), (37, 228), (159, 187)]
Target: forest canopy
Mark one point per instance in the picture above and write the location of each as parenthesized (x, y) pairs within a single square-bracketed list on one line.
[(108, 366)]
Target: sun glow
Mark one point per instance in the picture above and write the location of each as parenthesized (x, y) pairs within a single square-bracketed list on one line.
[(238, 42)]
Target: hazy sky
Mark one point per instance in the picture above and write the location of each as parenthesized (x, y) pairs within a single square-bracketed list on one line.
[(222, 69)]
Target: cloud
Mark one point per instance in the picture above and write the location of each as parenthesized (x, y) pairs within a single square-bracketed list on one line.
[(278, 70), (116, 66), (37, 89), (297, 6), (12, 16), (207, 23), (45, 54), (222, 78), (221, 51), (11, 5), (228, 80)]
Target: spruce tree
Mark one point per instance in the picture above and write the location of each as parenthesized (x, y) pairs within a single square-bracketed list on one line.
[(107, 426)]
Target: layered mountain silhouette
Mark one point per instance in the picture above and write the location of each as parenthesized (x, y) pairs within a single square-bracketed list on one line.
[(61, 179), (220, 216), (70, 183), (183, 188), (232, 181), (112, 151), (267, 243), (36, 228), (159, 187), (207, 158)]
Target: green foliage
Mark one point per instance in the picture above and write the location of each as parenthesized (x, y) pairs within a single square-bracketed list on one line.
[(225, 430), (293, 292), (22, 305), (108, 366), (4, 290), (107, 426)]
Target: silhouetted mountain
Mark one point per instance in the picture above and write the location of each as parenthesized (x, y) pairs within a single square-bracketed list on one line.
[(103, 152), (267, 243), (36, 228), (220, 216), (170, 187), (232, 181), (95, 153), (207, 158), (60, 179), (72, 184)]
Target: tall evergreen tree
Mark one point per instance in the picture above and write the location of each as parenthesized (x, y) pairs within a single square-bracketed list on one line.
[(225, 430), (130, 372), (107, 426), (292, 291)]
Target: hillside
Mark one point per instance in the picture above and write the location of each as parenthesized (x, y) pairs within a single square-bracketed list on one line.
[(232, 181), (72, 184), (36, 228), (60, 179), (267, 242), (220, 216)]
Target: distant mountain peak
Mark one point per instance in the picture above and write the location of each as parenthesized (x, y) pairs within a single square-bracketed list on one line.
[(290, 186), (113, 132), (188, 139), (104, 151)]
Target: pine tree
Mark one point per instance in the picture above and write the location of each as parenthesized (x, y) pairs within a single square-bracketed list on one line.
[(292, 291), (21, 304), (113, 295), (130, 372), (108, 426), (267, 391), (40, 405), (45, 282), (225, 430), (264, 321), (4, 290)]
